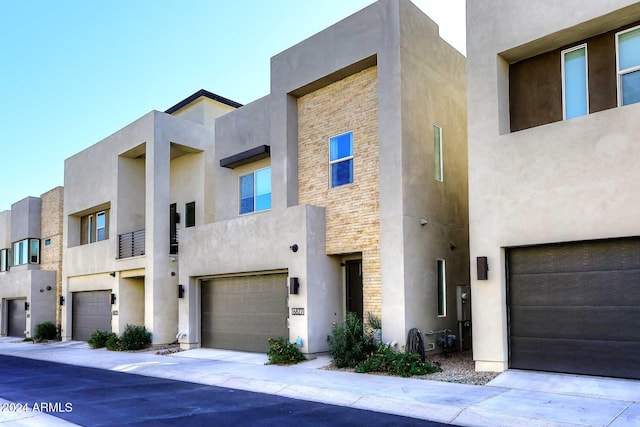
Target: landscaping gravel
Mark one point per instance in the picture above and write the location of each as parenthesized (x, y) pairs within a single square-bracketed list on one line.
[(458, 367)]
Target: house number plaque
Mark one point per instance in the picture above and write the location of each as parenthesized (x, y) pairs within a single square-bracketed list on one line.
[(297, 311)]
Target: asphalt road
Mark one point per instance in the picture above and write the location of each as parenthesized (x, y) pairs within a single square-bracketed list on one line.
[(96, 397)]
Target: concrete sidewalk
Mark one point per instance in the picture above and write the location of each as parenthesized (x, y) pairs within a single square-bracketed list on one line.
[(513, 398)]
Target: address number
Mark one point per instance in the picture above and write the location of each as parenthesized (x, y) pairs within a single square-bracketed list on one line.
[(297, 311)]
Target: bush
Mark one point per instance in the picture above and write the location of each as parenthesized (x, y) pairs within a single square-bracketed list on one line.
[(98, 339), (46, 331), (112, 342), (135, 338), (348, 344), (282, 353), (385, 359)]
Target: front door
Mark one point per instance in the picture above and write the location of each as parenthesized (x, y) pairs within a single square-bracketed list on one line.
[(354, 287)]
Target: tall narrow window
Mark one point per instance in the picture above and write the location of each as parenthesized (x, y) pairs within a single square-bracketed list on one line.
[(628, 53), (255, 191), (437, 153), (91, 228), (341, 159), (101, 226), (190, 213), (4, 260), (34, 251), (575, 86), (442, 288)]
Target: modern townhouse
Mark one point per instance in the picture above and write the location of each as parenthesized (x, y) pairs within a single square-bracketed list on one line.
[(553, 91), (343, 190), (127, 198), (30, 263)]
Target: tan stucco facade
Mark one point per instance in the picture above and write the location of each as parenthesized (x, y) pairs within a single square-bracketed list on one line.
[(566, 181)]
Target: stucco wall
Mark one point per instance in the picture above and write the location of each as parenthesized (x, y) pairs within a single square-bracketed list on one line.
[(5, 229), (25, 219), (563, 181)]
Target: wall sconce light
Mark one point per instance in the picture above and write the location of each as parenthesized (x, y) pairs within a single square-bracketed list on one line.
[(112, 274), (294, 247), (482, 267), (180, 291), (424, 221), (113, 299), (26, 306), (294, 285), (61, 300), (48, 288)]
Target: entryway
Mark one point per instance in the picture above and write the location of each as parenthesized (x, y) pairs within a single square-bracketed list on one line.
[(353, 277), (16, 317)]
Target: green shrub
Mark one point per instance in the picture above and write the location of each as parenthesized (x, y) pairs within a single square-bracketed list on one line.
[(98, 339), (135, 338), (112, 342), (348, 344), (404, 364), (46, 331), (282, 353)]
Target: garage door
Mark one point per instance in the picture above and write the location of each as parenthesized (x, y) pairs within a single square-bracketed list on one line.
[(575, 307), (241, 313), (16, 318), (91, 311)]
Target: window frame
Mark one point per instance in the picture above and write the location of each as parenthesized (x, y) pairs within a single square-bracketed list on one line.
[(190, 214), (341, 159), (255, 193), (438, 166), (441, 286), (98, 228), (586, 73), (620, 73), (23, 252), (5, 254)]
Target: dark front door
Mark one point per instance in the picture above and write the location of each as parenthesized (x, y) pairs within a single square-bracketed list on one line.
[(16, 317), (354, 288), (575, 307)]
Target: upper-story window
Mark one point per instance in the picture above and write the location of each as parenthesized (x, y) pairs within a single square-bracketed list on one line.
[(575, 87), (94, 227), (190, 214), (26, 251), (442, 288), (628, 54), (341, 159), (255, 191), (438, 173), (4, 259)]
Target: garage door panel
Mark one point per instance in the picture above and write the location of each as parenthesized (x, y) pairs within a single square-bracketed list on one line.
[(587, 357), (241, 313), (578, 289), (91, 312), (17, 317), (598, 323), (575, 307), (576, 257)]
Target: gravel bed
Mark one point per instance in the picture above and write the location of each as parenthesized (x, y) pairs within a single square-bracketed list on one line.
[(458, 367)]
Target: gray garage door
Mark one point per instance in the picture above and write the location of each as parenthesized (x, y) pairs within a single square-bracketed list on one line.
[(241, 313), (575, 307), (91, 311), (16, 318)]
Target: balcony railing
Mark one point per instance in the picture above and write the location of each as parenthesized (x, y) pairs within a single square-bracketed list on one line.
[(131, 244)]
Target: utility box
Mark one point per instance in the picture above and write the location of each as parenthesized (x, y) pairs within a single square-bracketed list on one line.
[(463, 303)]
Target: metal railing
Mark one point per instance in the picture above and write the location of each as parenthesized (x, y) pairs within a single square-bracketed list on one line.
[(131, 244)]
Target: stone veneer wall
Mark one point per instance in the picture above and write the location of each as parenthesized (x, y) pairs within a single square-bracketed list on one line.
[(353, 217), (51, 229)]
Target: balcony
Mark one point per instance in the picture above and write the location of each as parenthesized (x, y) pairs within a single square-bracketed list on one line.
[(131, 244)]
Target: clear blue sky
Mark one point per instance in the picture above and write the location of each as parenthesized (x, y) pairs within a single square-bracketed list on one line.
[(73, 72)]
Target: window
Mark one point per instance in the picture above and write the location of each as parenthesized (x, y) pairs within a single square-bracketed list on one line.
[(94, 227), (255, 191), (341, 159), (575, 92), (4, 259), (628, 57), (190, 213), (437, 153), (47, 242), (26, 251), (442, 289)]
